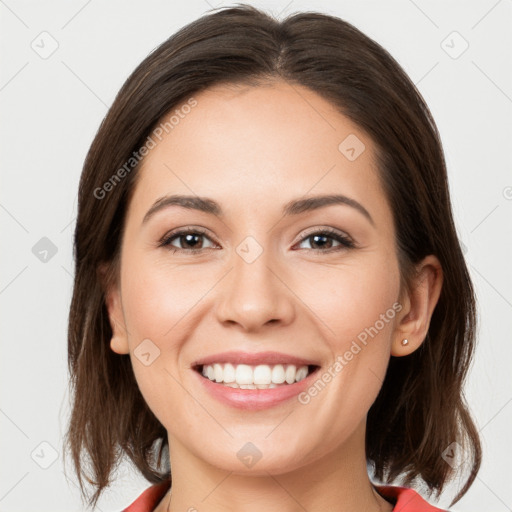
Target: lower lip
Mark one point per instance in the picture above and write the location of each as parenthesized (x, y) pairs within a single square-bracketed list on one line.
[(254, 399)]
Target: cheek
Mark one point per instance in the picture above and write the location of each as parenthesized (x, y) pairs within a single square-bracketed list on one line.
[(157, 298), (348, 300), (353, 301), (357, 306), (160, 303)]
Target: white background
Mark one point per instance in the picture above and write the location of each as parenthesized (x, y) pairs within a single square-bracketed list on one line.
[(51, 109)]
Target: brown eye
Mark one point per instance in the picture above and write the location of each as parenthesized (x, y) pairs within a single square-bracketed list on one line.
[(192, 240), (324, 240), (189, 239)]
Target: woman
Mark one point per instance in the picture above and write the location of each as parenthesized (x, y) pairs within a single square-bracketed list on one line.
[(271, 304)]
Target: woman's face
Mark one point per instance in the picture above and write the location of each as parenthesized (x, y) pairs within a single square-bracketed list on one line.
[(265, 278)]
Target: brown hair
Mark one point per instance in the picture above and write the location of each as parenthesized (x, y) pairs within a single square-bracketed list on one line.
[(420, 409)]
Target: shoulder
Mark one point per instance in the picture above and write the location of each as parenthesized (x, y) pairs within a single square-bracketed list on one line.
[(149, 499), (406, 499)]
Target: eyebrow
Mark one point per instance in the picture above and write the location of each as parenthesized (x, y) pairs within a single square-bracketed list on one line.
[(294, 207)]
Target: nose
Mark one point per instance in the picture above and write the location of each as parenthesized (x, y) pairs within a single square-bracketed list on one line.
[(255, 293)]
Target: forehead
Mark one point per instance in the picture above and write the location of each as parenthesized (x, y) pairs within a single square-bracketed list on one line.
[(246, 143)]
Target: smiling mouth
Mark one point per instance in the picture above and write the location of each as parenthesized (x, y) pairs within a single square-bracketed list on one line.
[(242, 376)]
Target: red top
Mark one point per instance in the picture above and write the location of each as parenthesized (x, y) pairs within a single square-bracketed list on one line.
[(403, 499)]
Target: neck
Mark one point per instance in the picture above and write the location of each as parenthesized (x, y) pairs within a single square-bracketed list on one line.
[(337, 481)]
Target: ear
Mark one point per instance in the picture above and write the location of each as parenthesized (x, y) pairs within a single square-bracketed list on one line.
[(418, 304), (119, 340)]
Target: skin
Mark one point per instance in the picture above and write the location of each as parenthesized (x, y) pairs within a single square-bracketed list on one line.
[(253, 149)]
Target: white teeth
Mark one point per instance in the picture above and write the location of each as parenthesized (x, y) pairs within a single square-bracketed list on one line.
[(229, 373), (278, 374), (243, 374), (301, 373), (262, 376), (248, 386), (217, 372), (290, 374)]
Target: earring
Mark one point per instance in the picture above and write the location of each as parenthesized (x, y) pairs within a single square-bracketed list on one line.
[(405, 342)]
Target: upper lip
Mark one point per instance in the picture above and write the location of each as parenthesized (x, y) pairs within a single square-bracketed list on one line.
[(238, 357)]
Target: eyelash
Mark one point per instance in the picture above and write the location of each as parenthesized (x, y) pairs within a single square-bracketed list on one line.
[(345, 241)]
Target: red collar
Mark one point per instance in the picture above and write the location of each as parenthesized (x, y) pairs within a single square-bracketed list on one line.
[(403, 498), (406, 499)]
